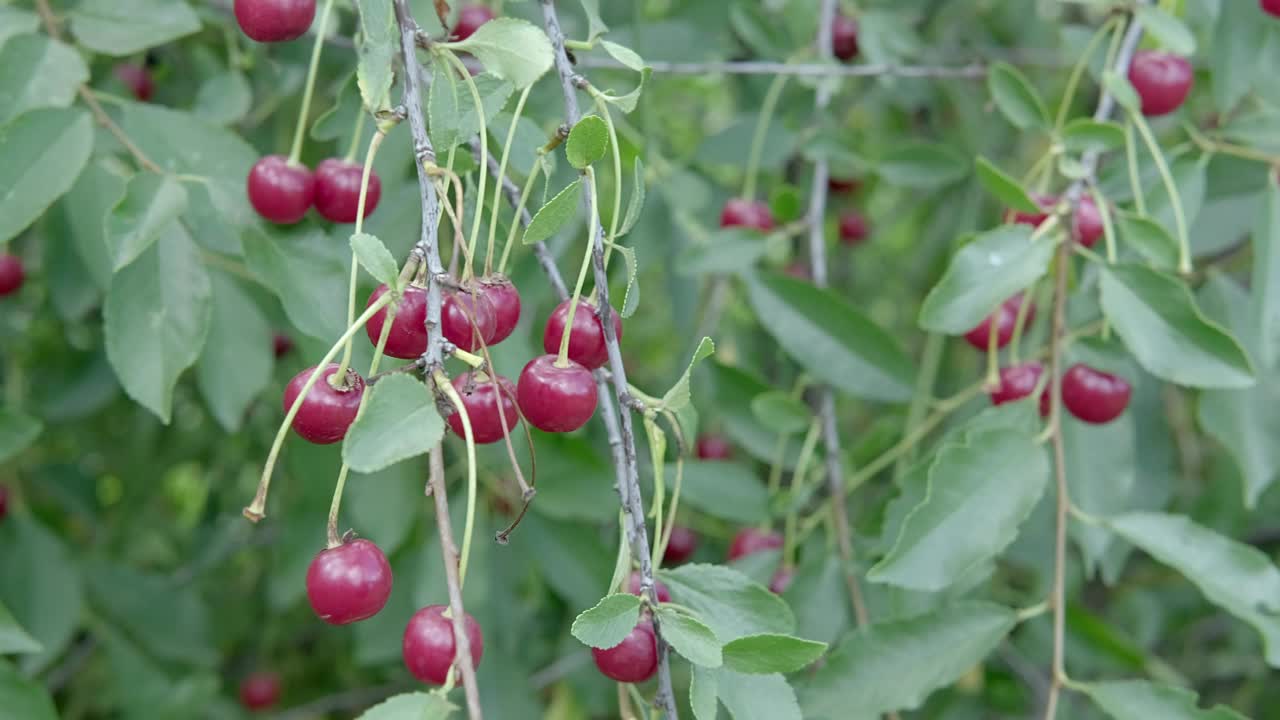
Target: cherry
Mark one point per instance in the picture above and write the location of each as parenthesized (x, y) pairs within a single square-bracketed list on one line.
[(844, 37), (1019, 381), (1270, 7), (460, 308), (260, 690), (407, 339), (782, 579), (586, 341), (338, 190), (349, 583), (4, 501), (633, 587), (554, 398), (480, 396), (326, 412), (137, 78), (681, 545), (11, 274), (281, 345), (853, 228), (713, 447), (1005, 317), (280, 192), (275, 20), (749, 541), (505, 299), (1094, 396), (470, 18), (844, 185), (1086, 223), (429, 646), (1045, 202), (633, 660), (1163, 80), (739, 212)]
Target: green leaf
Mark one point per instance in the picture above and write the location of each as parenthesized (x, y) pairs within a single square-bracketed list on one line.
[(1158, 320), (1003, 187), (630, 298), (1016, 97), (609, 622), (411, 706), (1120, 88), (703, 693), (624, 55), (690, 637), (588, 141), (125, 27), (157, 315), (765, 654), (336, 121), (236, 364), (1083, 135), (509, 48), (399, 421), (13, 639), (40, 584), (170, 622), (923, 166), (832, 339), (1236, 577), (1236, 55), (16, 21), (627, 102), (376, 259), (757, 697), (979, 492), (379, 44), (729, 602), (1265, 308), (727, 250), (453, 110), (984, 273), (310, 281), (1167, 29), (724, 489), (635, 205), (44, 152), (17, 432), (781, 412), (595, 25), (558, 211), (896, 665), (150, 207), (1142, 700), (225, 98), (37, 72), (23, 699), (1149, 238), (679, 395)]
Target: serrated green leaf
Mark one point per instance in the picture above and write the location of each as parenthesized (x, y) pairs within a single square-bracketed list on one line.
[(631, 298), (609, 622), (627, 102), (44, 152), (37, 72), (730, 603), (1016, 97), (984, 273), (378, 46), (757, 697), (1142, 700), (635, 205), (17, 432), (1149, 238), (1084, 134), (624, 55), (399, 421), (125, 27), (1122, 90), (703, 693), (1265, 304), (922, 166), (781, 412), (588, 141), (595, 25), (690, 637), (236, 363), (411, 706), (1172, 33), (765, 654), (376, 259), (679, 395), (558, 211), (510, 48), (150, 207), (1005, 189), (336, 121)]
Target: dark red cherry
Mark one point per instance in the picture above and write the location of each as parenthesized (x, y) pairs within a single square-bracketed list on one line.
[(633, 660), (1005, 316), (781, 579), (259, 691), (429, 644), (470, 18), (554, 398), (1018, 382), (1163, 80), (1270, 7), (12, 274), (749, 541), (633, 587), (275, 20), (1046, 203), (137, 78), (1094, 396), (746, 213), (408, 337), (1086, 223), (853, 227), (586, 341), (482, 398), (326, 412), (338, 190), (4, 501), (844, 185), (844, 37), (713, 447), (681, 545), (460, 310), (505, 299), (280, 192), (349, 583), (281, 345)]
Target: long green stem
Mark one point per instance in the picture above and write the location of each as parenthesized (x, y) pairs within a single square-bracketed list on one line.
[(1135, 181), (374, 144), (356, 134), (660, 548), (757, 139), (295, 153), (502, 174), (797, 484), (1170, 187), (562, 359), (443, 384), (1073, 81), (484, 157), (603, 107), (520, 206)]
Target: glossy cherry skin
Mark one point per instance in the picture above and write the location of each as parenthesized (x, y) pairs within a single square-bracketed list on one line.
[(275, 20), (1086, 223), (4, 501), (749, 541), (633, 587), (137, 78), (586, 341), (259, 691), (844, 37), (1163, 81), (746, 213), (280, 192), (408, 337), (470, 18), (556, 399), (1005, 316), (844, 185), (853, 228), (349, 583), (281, 345), (459, 310), (326, 413), (429, 644), (482, 398), (1018, 382), (633, 660), (505, 299), (781, 579), (681, 545), (12, 274), (1270, 7), (1094, 396), (713, 447), (337, 196), (1046, 203)]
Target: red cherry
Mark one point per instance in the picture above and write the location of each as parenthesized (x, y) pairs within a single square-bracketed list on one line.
[(849, 185), (749, 541), (12, 274), (470, 18), (713, 447), (275, 20), (1046, 203), (782, 580), (137, 78), (853, 228), (1086, 223), (1270, 7), (349, 583), (633, 660), (259, 691), (326, 412), (4, 501), (844, 37), (586, 341), (456, 316), (408, 337), (280, 192), (746, 213), (505, 299), (338, 190), (681, 545), (1094, 396), (1019, 381), (481, 397), (554, 398), (281, 344), (1163, 80), (1006, 316), (633, 587), (429, 646)]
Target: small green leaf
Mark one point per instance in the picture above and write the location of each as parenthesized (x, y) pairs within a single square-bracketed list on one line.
[(690, 637), (40, 584), (984, 273), (453, 110), (1084, 135), (631, 298), (310, 281), (559, 210), (44, 152), (703, 693), (624, 55), (729, 602), (379, 44), (1149, 238), (1004, 188), (595, 25), (37, 72), (588, 141), (225, 98), (236, 363), (923, 166), (1142, 700), (1120, 88), (781, 412), (411, 706), (635, 205), (1169, 30), (150, 206), (17, 432), (510, 48), (336, 121), (679, 396), (125, 27), (399, 421), (627, 103), (764, 654), (758, 697), (13, 639), (1236, 54), (609, 622), (724, 489), (1016, 97), (376, 259)]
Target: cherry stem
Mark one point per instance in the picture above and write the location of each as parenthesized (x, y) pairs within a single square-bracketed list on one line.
[(356, 135), (603, 107), (446, 387), (660, 549), (1135, 181), (520, 209), (658, 450), (295, 153), (484, 154), (622, 561), (562, 360), (1210, 145), (767, 108), (1073, 80), (1170, 188), (502, 174), (797, 484), (374, 144), (471, 359)]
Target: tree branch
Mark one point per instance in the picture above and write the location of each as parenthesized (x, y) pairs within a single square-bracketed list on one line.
[(976, 71)]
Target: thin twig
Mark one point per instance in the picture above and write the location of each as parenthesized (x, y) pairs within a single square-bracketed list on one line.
[(974, 70)]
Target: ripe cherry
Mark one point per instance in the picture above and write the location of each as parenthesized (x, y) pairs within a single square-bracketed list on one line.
[(280, 192), (1086, 223), (470, 18), (275, 20), (4, 501), (844, 185), (713, 447), (1019, 381), (1094, 396), (259, 691), (586, 341), (349, 583), (429, 644), (554, 398), (460, 309), (739, 212), (1045, 202), (337, 195), (137, 78), (633, 660), (853, 228), (633, 587), (1270, 7), (505, 299), (281, 345), (12, 274), (844, 37), (681, 545), (749, 541), (407, 339), (1163, 80), (326, 412), (482, 397), (781, 579), (1005, 317)]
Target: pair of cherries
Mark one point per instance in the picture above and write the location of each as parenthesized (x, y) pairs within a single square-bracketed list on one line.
[(282, 192), (1090, 395)]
